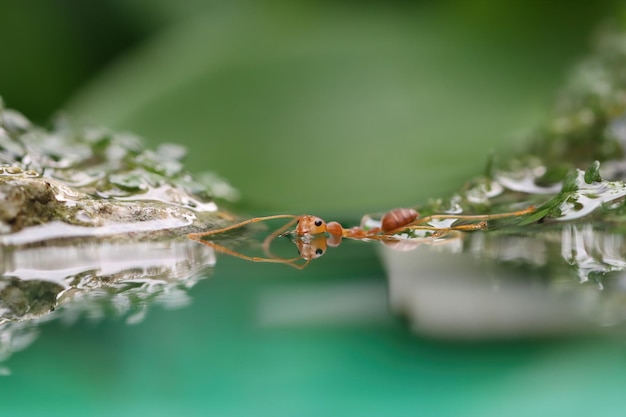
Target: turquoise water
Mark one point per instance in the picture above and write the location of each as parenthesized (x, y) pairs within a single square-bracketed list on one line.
[(267, 340)]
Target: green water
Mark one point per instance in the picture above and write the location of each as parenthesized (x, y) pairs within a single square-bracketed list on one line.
[(242, 347)]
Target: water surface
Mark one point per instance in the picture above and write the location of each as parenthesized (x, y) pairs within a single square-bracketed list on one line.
[(263, 339)]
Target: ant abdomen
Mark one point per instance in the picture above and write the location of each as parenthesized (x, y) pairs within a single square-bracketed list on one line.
[(397, 218)]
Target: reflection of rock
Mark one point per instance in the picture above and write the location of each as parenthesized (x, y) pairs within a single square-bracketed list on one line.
[(20, 300), (36, 279), (512, 286), (94, 278)]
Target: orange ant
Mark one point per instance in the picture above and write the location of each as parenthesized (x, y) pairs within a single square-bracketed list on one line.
[(313, 235)]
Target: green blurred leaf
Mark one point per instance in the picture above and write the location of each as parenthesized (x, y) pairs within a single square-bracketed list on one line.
[(341, 106)]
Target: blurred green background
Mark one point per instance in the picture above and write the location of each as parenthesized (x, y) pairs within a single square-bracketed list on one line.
[(338, 106), (341, 107)]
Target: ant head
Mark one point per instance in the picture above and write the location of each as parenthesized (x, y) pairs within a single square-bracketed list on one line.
[(312, 249), (310, 226)]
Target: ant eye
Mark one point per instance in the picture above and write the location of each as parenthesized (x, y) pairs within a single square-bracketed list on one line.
[(318, 222), (319, 252)]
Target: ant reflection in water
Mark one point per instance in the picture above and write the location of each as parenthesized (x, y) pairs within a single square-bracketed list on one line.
[(313, 236)]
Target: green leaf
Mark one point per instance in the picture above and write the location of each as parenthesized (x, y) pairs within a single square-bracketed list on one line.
[(592, 174)]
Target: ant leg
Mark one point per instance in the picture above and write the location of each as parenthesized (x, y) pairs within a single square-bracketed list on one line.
[(468, 217), (270, 238), (493, 216), (416, 226), (267, 242), (291, 262), (389, 234), (240, 224), (437, 238), (271, 258), (470, 227)]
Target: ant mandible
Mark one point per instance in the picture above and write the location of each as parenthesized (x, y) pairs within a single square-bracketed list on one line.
[(313, 235)]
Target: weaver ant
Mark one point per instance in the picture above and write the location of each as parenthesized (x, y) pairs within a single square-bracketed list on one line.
[(312, 235)]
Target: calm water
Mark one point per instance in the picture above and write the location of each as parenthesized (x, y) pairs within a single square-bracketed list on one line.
[(268, 340)]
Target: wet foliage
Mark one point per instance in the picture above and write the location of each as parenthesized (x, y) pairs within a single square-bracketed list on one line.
[(574, 165)]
